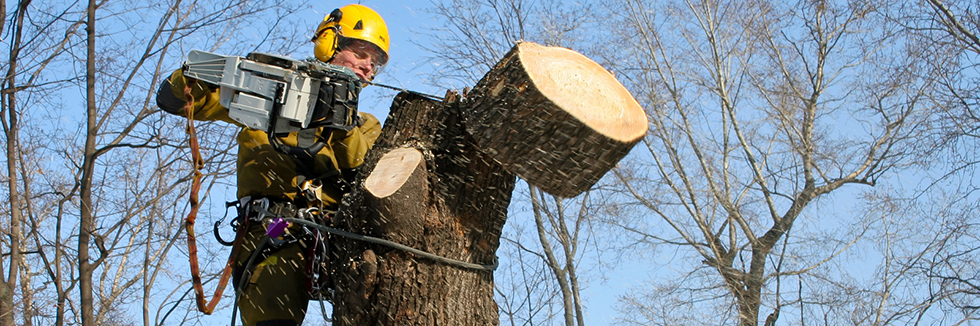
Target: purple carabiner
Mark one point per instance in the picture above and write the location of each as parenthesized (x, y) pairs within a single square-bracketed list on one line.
[(276, 228)]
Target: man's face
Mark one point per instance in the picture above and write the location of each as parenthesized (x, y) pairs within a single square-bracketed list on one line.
[(361, 57)]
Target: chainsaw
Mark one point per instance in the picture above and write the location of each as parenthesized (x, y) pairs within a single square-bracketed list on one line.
[(279, 94)]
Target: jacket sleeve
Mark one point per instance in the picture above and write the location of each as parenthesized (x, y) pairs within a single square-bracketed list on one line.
[(170, 98), (350, 147)]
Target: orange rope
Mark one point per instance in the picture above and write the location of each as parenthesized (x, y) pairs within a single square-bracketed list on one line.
[(198, 163)]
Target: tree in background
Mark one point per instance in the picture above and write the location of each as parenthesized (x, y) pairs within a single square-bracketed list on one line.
[(947, 195), (109, 185), (765, 116), (758, 111), (28, 57)]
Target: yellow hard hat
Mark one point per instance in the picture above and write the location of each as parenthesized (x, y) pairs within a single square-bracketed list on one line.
[(352, 21)]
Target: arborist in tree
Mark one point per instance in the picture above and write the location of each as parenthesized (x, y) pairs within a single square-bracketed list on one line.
[(275, 278)]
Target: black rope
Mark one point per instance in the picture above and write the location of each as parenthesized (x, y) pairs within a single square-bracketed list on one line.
[(448, 261), (323, 309), (246, 275)]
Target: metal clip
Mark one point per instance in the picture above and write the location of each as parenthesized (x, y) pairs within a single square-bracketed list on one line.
[(263, 208), (312, 189)]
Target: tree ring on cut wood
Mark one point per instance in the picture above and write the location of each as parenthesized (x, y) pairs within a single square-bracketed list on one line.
[(554, 117)]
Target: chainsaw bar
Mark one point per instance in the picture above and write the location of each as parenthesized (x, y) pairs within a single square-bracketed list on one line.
[(430, 96)]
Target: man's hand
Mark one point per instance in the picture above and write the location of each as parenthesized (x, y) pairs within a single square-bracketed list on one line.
[(170, 96)]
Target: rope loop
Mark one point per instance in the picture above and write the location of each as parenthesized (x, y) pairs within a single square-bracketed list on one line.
[(197, 163)]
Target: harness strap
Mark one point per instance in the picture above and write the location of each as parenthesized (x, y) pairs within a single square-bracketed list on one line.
[(449, 261), (270, 214)]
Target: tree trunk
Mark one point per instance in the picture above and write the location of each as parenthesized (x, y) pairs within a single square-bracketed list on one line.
[(86, 215), (12, 132), (432, 190), (437, 180), (554, 117)]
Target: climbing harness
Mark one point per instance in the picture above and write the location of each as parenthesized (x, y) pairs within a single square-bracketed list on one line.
[(311, 220), (266, 213)]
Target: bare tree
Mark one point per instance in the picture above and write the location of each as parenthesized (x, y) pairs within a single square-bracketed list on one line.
[(553, 250), (10, 124), (28, 56), (524, 292), (758, 110), (948, 267), (93, 218), (477, 33), (949, 31)]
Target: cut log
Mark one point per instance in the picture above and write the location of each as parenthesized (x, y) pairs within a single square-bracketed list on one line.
[(398, 189), (554, 117)]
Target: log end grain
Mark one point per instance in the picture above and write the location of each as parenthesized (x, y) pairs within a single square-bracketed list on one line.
[(393, 169), (585, 90)]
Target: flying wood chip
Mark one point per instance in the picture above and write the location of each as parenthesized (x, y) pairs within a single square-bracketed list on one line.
[(554, 117)]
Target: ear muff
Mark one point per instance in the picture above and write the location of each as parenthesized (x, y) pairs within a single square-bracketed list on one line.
[(326, 40)]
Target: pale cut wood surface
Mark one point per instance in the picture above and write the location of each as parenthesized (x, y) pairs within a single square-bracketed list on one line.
[(392, 171), (584, 89)]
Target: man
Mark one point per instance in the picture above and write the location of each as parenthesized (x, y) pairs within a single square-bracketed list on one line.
[(271, 277)]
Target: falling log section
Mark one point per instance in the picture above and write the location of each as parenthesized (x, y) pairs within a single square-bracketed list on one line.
[(554, 117), (441, 174)]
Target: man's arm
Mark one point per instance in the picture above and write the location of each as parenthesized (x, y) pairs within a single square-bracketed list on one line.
[(354, 145)]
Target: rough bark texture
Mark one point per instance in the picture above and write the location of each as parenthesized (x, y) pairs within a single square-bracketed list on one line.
[(553, 117), (457, 212), (86, 228)]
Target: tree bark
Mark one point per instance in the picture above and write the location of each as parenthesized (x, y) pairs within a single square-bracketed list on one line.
[(11, 126), (554, 117), (449, 199), (86, 214)]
